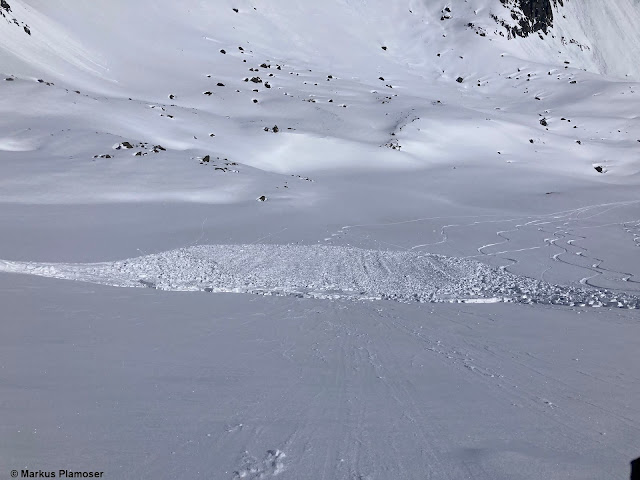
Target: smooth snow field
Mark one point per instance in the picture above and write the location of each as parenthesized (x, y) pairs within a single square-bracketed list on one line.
[(346, 240)]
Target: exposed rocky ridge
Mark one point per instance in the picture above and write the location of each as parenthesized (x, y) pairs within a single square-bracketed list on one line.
[(5, 10), (530, 16)]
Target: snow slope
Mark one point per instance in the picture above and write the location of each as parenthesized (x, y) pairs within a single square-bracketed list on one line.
[(425, 206)]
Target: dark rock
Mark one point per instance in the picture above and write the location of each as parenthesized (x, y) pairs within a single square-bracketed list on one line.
[(384, 48), (543, 122), (235, 10), (275, 129), (223, 51), (531, 16), (459, 79), (127, 145), (256, 80), (599, 169), (206, 159), (635, 469), (26, 30), (262, 198), (9, 79), (220, 84)]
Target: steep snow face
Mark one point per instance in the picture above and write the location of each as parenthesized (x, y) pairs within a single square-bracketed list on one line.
[(609, 30), (112, 43), (599, 36)]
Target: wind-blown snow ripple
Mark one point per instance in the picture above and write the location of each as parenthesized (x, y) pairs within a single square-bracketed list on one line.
[(324, 272)]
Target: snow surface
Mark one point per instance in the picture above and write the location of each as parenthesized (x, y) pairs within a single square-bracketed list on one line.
[(427, 255)]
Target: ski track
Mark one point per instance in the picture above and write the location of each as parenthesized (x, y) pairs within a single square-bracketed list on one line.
[(570, 222), (327, 272)]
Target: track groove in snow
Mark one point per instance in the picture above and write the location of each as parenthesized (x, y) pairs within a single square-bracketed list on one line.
[(329, 272)]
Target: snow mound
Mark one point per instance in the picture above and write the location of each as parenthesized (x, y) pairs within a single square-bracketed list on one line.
[(329, 272)]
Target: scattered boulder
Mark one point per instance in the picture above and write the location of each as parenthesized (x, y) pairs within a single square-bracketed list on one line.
[(459, 79), (220, 84), (275, 129), (599, 169), (384, 48), (262, 198), (256, 80), (206, 159), (223, 51), (543, 122)]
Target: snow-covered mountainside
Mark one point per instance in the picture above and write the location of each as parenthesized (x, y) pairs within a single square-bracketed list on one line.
[(216, 72), (374, 239)]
